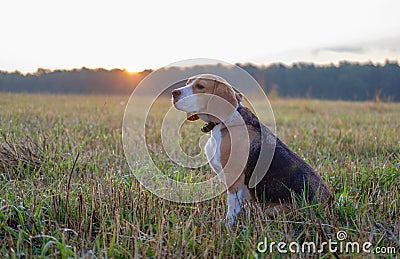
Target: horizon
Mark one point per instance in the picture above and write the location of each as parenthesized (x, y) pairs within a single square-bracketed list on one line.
[(289, 65)]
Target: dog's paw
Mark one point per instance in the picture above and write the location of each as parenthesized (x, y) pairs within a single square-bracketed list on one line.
[(274, 211), (230, 220)]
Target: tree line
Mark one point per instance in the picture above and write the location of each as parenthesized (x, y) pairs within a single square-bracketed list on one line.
[(345, 81), (76, 81)]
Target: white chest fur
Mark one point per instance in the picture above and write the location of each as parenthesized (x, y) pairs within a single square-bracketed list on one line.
[(213, 151)]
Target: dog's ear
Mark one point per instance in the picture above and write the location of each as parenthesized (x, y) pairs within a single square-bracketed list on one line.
[(224, 105), (192, 117), (226, 92)]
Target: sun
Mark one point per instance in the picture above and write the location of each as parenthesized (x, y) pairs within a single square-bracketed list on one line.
[(133, 69)]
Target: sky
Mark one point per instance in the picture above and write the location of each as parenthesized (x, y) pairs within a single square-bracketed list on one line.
[(137, 35)]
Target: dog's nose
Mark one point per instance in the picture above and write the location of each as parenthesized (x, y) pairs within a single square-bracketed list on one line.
[(176, 93)]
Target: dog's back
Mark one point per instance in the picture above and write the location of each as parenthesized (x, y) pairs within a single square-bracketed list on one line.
[(287, 172)]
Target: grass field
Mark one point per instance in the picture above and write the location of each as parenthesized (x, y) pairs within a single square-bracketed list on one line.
[(66, 189)]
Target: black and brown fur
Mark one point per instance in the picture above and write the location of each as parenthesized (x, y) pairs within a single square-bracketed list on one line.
[(287, 173)]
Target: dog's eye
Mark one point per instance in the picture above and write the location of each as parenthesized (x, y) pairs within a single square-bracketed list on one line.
[(199, 86)]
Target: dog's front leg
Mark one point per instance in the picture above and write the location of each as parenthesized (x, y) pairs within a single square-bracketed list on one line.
[(234, 206)]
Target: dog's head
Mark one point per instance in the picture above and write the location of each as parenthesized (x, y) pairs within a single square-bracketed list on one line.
[(208, 97)]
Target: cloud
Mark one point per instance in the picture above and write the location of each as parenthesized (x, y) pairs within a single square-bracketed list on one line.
[(339, 49), (376, 50), (388, 44)]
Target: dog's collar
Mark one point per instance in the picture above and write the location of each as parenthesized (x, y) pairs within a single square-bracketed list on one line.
[(210, 125)]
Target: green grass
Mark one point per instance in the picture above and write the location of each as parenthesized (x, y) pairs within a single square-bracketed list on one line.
[(66, 189)]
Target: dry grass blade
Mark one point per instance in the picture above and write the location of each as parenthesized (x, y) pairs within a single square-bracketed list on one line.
[(19, 153)]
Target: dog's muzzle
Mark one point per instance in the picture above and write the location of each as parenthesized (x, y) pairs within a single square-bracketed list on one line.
[(175, 95)]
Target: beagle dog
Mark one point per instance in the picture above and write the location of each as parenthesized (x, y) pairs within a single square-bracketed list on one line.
[(235, 147)]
